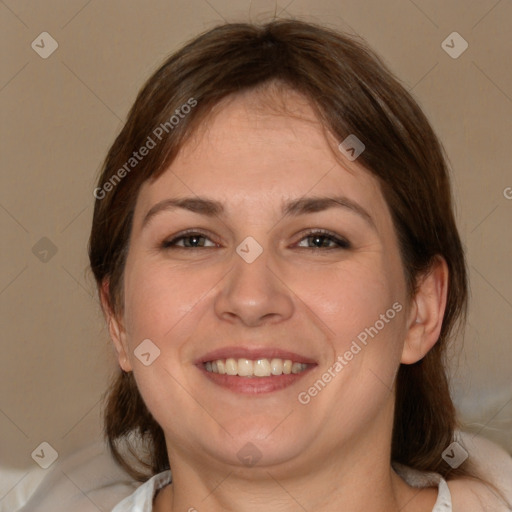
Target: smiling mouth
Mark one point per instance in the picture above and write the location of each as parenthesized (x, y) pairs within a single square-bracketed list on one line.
[(255, 368)]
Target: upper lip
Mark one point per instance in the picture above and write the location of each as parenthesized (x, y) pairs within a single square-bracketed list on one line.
[(254, 353)]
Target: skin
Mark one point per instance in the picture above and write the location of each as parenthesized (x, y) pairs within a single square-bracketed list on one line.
[(311, 301)]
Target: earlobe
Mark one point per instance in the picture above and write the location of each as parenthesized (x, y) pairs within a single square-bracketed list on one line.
[(115, 329), (426, 312)]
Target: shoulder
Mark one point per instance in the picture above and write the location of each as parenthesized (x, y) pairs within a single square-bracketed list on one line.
[(471, 495), (493, 465), (142, 499)]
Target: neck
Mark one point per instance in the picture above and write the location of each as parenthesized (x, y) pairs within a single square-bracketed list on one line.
[(356, 476), (268, 489)]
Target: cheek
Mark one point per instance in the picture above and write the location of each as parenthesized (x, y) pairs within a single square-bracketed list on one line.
[(353, 298), (158, 296), (363, 306), (163, 304)]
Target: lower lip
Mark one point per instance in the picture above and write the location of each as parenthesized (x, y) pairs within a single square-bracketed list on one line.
[(254, 385)]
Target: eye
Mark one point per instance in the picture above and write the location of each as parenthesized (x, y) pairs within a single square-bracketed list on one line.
[(325, 239), (187, 240), (322, 239)]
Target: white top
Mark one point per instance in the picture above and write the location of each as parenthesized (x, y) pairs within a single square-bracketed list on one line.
[(142, 499)]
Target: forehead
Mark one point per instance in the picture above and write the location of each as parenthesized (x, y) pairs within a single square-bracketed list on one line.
[(262, 147), (278, 117)]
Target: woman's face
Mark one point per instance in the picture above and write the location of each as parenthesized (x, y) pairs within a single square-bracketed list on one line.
[(271, 277)]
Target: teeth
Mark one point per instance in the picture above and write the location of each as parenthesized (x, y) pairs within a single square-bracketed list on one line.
[(261, 368), (245, 368), (231, 367), (258, 368), (296, 368), (221, 367), (276, 366)]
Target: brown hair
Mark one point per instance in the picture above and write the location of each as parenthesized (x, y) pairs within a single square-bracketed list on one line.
[(352, 92)]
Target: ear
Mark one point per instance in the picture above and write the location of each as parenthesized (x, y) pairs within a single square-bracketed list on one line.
[(115, 328), (426, 313)]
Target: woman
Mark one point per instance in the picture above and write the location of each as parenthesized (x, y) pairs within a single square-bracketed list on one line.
[(279, 265)]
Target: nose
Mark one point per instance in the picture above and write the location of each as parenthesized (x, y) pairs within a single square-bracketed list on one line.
[(254, 293)]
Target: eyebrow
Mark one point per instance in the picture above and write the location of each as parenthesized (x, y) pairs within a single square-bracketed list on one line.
[(295, 207)]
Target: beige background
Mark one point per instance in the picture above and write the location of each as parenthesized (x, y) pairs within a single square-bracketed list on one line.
[(60, 114)]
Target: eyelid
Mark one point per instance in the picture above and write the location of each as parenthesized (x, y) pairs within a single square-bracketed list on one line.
[(166, 244), (342, 242)]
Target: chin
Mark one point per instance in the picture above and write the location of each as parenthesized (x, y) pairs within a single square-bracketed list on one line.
[(260, 443)]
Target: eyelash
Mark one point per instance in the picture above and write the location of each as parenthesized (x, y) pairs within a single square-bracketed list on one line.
[(320, 233)]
